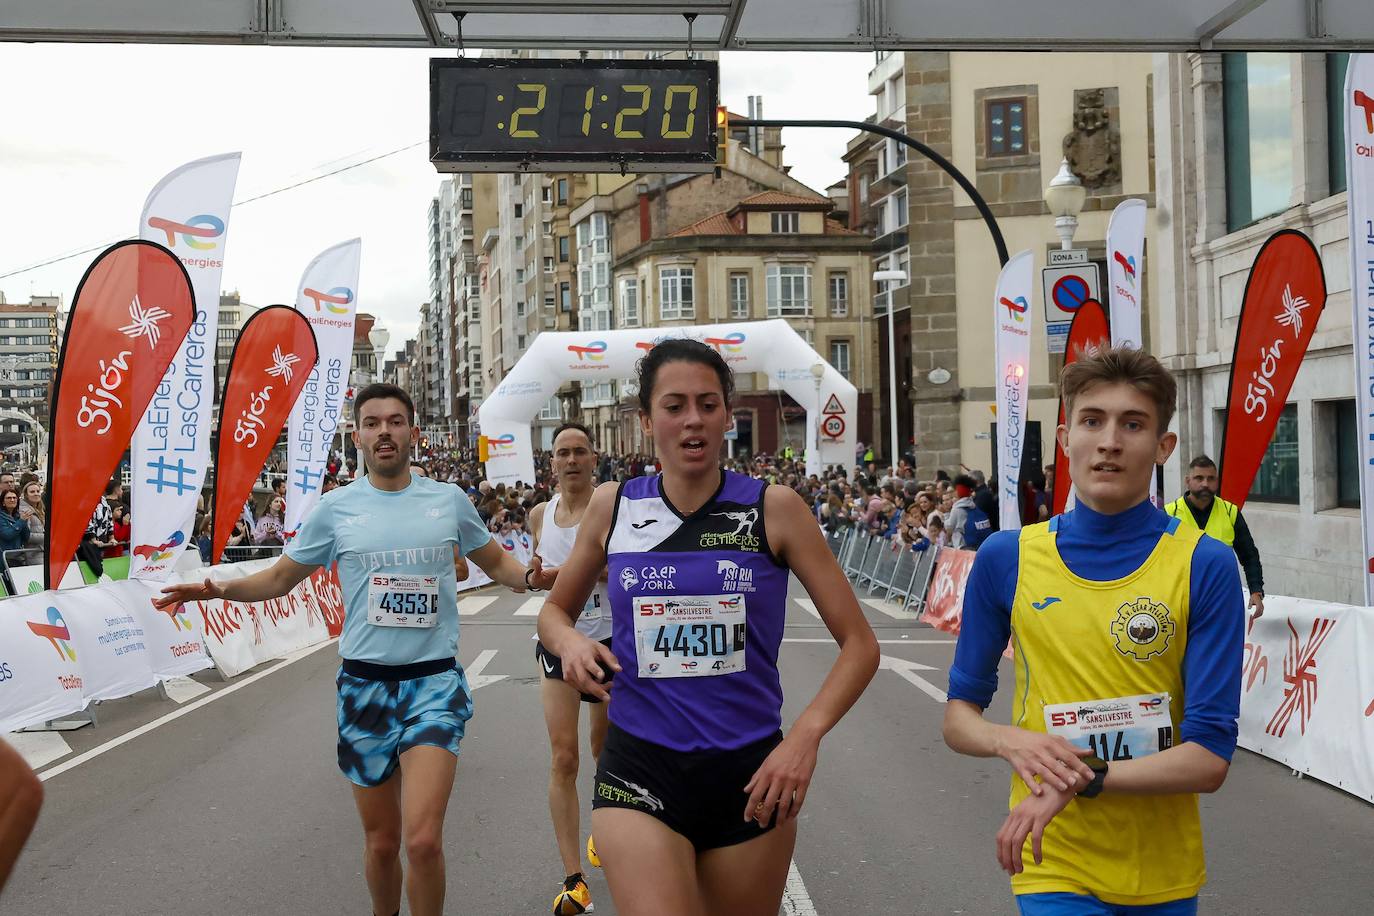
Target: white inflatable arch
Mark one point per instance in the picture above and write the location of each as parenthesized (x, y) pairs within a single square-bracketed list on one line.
[(554, 358)]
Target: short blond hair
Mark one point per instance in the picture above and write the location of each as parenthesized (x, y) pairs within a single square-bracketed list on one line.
[(1121, 365)]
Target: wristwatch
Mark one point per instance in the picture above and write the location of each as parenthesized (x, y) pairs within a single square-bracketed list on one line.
[(529, 572), (1094, 786)]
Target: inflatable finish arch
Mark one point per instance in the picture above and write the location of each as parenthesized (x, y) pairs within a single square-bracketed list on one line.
[(555, 357)]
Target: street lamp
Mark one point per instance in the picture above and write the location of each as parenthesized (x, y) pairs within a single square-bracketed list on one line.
[(813, 454), (897, 276), (1065, 197), (378, 337)]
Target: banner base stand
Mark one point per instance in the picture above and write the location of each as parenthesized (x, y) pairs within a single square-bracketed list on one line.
[(61, 725)]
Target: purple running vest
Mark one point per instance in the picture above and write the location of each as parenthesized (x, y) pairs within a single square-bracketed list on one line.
[(719, 550)]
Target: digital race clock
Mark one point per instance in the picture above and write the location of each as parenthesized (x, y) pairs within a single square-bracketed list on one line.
[(494, 115)]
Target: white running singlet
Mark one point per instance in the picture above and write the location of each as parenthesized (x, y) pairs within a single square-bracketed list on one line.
[(555, 546)]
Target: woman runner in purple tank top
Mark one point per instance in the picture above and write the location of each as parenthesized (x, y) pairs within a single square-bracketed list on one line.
[(697, 791)]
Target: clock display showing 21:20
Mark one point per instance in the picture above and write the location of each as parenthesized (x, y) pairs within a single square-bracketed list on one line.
[(638, 111)]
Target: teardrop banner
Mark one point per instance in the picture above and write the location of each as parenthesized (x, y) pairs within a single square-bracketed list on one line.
[(1283, 302), (273, 357), (1088, 333), (133, 308)]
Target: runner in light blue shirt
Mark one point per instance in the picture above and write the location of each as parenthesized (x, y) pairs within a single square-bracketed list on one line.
[(403, 701)]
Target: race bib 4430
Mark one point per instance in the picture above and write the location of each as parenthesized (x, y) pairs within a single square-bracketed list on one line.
[(690, 635)]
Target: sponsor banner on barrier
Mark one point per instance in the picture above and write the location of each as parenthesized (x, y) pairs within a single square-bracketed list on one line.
[(40, 664), (945, 594), (1307, 691), (323, 586), (227, 627), (173, 636), (111, 645)]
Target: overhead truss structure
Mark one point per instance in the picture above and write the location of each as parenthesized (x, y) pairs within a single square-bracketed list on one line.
[(724, 25)]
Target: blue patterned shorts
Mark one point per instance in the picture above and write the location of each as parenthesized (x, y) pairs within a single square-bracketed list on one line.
[(381, 720)]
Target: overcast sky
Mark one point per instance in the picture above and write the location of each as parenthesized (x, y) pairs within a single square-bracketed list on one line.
[(87, 130)]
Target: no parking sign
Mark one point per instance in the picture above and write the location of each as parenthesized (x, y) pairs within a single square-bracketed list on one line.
[(1065, 289)]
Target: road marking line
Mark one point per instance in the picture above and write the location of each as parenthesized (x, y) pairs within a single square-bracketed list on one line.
[(178, 713), (181, 689), (907, 671), (476, 678), (809, 606), (39, 748), (795, 900), (530, 608), (473, 604), (892, 642), (888, 608)]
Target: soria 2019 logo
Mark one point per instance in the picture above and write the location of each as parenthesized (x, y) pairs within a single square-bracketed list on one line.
[(55, 631), (335, 300), (1017, 307), (198, 232), (730, 342), (162, 551), (1127, 265), (596, 350)]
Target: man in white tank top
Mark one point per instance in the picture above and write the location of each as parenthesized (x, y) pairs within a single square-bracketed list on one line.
[(554, 525)]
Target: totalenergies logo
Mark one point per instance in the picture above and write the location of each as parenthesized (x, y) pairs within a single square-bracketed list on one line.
[(55, 631), (178, 614), (596, 350), (645, 345), (506, 441), (730, 342), (1366, 103), (162, 551), (1127, 265), (1017, 307), (197, 232), (335, 300)]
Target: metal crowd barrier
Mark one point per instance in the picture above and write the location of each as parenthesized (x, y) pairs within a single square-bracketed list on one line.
[(250, 552), (888, 568)]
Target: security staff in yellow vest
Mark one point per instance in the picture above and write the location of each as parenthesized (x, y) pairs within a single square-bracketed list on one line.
[(1222, 520)]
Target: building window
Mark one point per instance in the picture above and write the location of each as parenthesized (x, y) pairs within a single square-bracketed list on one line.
[(1006, 126), (562, 191), (553, 410), (739, 295), (563, 249), (787, 222), (1258, 135), (519, 275), (1347, 455), (548, 265), (839, 356), (839, 294), (565, 297), (789, 291), (1277, 478), (520, 310), (520, 343), (547, 195), (519, 211), (519, 243), (675, 299), (629, 303), (1336, 66)]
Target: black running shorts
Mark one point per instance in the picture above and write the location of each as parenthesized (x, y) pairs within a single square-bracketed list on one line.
[(552, 666), (698, 794)]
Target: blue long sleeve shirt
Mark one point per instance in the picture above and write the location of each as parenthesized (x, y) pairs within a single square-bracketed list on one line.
[(1101, 548)]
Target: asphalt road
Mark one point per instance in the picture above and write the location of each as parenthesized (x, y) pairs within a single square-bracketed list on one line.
[(230, 802)]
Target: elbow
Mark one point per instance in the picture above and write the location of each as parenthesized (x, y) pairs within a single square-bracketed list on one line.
[(1213, 775)]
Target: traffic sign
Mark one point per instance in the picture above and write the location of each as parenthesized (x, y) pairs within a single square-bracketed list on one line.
[(833, 406), (1062, 256), (833, 426), (732, 434), (1065, 289)]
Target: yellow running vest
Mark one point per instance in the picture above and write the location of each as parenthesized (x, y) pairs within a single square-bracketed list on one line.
[(1097, 655), (1221, 523)]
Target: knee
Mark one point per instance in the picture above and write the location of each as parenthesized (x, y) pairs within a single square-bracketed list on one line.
[(424, 846), (383, 845), (563, 765)]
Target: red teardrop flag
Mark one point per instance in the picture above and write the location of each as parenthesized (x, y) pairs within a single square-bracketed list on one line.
[(273, 358), (1088, 333), (132, 310)]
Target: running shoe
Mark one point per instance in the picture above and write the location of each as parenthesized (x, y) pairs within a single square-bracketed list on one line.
[(592, 857), (575, 897)]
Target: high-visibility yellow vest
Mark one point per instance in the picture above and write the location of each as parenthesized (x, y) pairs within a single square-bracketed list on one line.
[(1221, 523)]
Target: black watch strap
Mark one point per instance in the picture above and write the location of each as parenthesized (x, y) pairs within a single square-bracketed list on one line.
[(529, 572), (1094, 786)]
